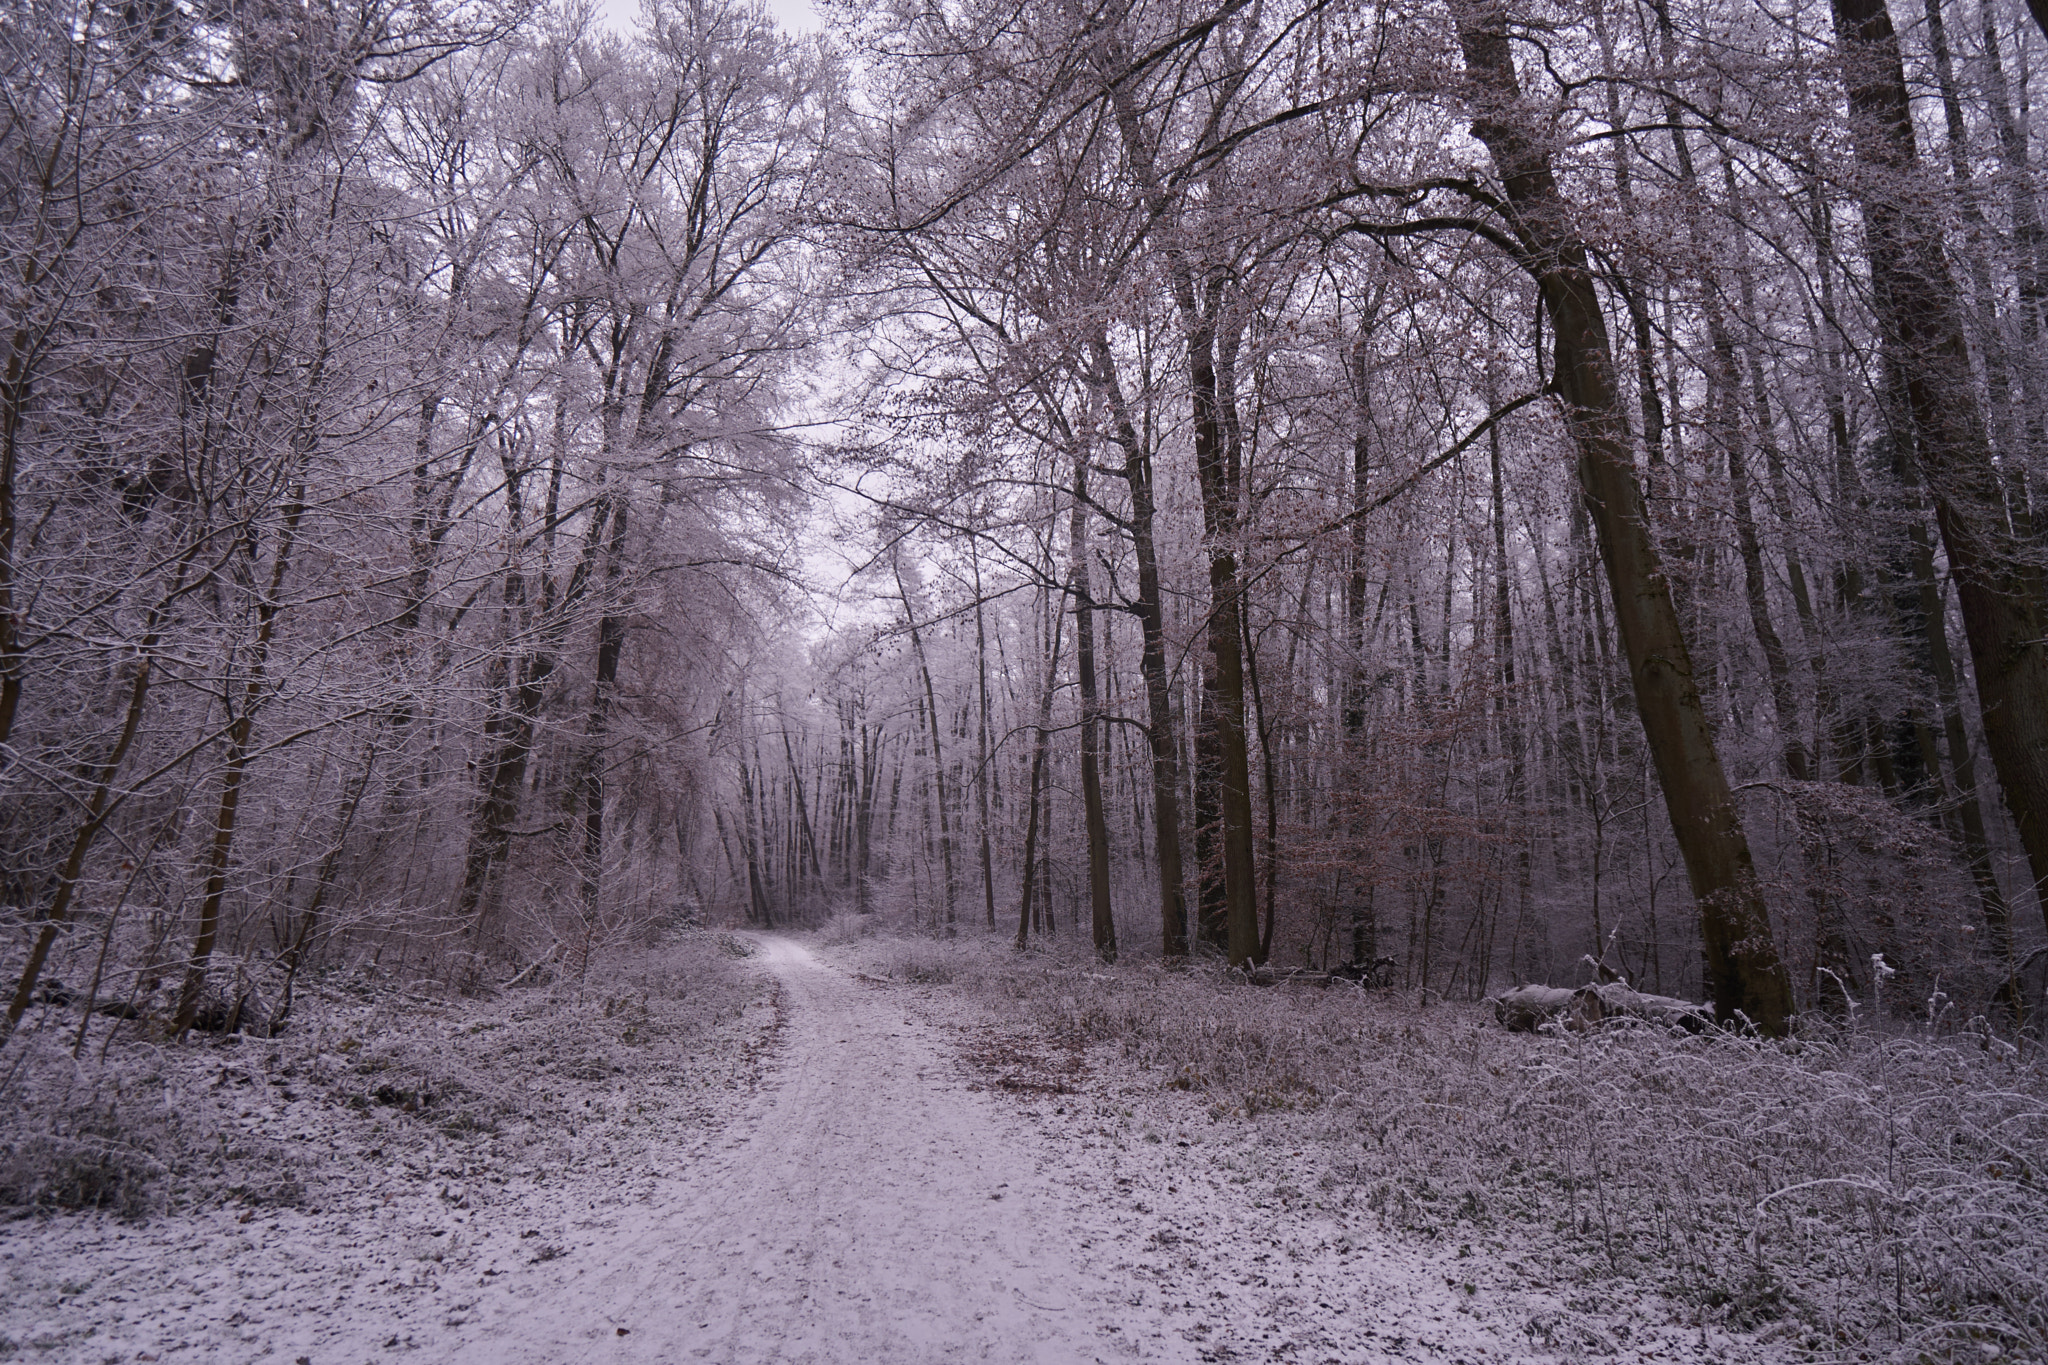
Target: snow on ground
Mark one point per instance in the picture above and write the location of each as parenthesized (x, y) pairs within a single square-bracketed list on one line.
[(1224, 1224), (346, 1192), (1865, 1191), (866, 1207), (847, 1170)]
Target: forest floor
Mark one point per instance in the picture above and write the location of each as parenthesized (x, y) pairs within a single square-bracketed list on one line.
[(854, 1150)]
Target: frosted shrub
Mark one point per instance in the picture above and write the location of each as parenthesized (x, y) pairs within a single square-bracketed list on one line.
[(381, 1072), (1850, 1190)]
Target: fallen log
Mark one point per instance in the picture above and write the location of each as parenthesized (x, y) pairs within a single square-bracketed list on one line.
[(1528, 1008), (1618, 1000)]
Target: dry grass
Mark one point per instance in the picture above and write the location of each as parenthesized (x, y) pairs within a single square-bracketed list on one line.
[(1848, 1192), (378, 1079)]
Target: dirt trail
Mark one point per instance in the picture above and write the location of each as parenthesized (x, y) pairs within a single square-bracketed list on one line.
[(868, 1207)]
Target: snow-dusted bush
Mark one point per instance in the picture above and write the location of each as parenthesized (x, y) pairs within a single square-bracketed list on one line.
[(378, 1078)]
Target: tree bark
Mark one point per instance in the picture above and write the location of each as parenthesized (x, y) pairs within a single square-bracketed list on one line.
[(1515, 795), (1269, 865), (523, 677), (864, 817), (1364, 929), (611, 642), (1038, 746), (1200, 305), (759, 909), (1743, 972), (1102, 917), (1920, 318), (236, 771), (938, 752), (1160, 732), (981, 755), (2030, 260)]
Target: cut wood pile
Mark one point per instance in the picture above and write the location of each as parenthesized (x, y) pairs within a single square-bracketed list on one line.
[(1528, 1008)]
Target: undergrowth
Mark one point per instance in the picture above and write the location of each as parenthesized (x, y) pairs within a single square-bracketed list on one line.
[(1853, 1191), (375, 1078)]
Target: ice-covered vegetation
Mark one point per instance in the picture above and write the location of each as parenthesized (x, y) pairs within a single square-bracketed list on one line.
[(1451, 494), (1875, 1186), (381, 1082)]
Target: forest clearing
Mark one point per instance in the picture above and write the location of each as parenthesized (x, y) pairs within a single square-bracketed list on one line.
[(1184, 679)]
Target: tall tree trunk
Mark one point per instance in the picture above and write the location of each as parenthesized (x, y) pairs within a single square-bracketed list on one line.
[(1270, 862), (1984, 329), (611, 641), (509, 728), (1516, 795), (235, 770), (1357, 583), (615, 504), (1032, 835), (800, 797), (1205, 805), (864, 818), (1932, 652), (981, 754), (1742, 967), (1102, 918), (938, 752), (1200, 301), (1756, 594), (1647, 396), (759, 909), (1161, 734), (2030, 261), (1919, 314)]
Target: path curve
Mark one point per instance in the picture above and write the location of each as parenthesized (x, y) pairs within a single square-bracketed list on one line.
[(867, 1207)]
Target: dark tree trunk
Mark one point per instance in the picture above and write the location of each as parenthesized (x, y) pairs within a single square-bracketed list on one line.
[(981, 754), (611, 641), (1920, 317), (1032, 837), (1199, 297), (1102, 917), (759, 909), (1160, 731), (1515, 795), (1742, 968), (1364, 931), (938, 751), (522, 677), (235, 772)]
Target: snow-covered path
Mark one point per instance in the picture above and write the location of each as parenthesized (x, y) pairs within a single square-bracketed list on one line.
[(866, 1202), (869, 1207)]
